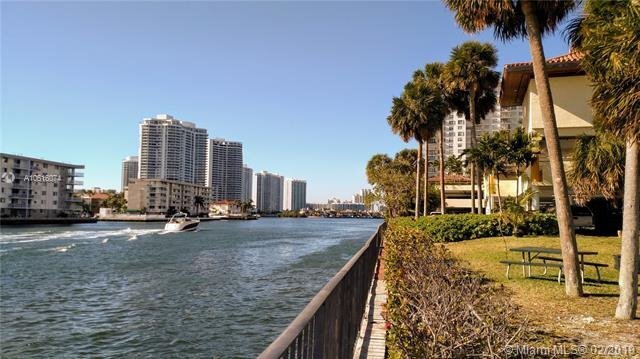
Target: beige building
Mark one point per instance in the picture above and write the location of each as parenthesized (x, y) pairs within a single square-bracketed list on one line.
[(225, 208), (37, 188), (571, 92), (157, 196)]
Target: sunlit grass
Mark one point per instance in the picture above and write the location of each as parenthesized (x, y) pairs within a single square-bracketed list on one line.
[(543, 299)]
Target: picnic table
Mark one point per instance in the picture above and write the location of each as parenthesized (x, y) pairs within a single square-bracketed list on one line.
[(529, 254)]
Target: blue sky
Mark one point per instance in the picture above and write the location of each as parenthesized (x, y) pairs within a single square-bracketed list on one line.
[(305, 86)]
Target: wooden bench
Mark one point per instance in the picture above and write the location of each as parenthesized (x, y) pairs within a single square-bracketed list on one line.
[(533, 264), (595, 265)]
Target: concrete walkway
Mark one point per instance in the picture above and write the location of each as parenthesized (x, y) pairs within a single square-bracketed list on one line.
[(371, 338)]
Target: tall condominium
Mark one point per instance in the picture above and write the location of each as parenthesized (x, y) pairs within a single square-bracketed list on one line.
[(173, 150), (224, 169), (129, 171), (294, 194), (247, 183), (267, 192), (37, 188), (457, 131)]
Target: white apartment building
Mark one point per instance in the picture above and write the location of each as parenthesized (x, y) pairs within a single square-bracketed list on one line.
[(129, 171), (267, 192), (173, 150), (457, 135), (294, 196), (37, 188), (247, 183), (224, 169)]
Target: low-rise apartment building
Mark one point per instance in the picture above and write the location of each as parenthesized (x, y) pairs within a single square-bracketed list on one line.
[(38, 188), (158, 196)]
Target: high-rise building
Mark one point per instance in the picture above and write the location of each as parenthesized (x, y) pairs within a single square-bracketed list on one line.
[(37, 188), (247, 183), (173, 150), (267, 192), (457, 131), (224, 169), (294, 195), (129, 171)]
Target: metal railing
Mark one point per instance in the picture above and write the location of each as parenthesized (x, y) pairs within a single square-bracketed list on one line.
[(328, 326)]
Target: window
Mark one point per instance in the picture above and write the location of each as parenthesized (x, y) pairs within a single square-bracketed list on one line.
[(459, 139), (44, 193), (55, 193), (459, 144), (460, 122), (459, 127), (460, 133), (55, 203)]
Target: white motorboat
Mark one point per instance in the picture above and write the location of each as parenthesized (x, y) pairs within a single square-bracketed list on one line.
[(180, 222)]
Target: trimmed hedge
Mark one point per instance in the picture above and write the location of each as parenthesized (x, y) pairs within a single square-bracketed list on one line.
[(460, 227)]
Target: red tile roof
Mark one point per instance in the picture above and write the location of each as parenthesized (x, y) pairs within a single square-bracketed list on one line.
[(572, 57), (516, 76)]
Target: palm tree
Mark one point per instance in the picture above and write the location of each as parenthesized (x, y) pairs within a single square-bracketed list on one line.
[(413, 114), (198, 202), (490, 154), (607, 35), (434, 112), (472, 81), (532, 19), (597, 167), (520, 154), (405, 123)]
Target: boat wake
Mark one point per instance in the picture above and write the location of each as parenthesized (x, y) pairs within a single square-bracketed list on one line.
[(40, 236)]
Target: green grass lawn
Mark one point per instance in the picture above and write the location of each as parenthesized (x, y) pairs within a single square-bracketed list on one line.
[(542, 299)]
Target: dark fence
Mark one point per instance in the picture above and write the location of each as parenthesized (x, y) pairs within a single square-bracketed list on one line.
[(329, 324)]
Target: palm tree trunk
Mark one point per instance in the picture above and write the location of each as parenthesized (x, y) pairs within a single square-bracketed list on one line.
[(499, 196), (517, 183), (442, 194), (478, 181), (425, 194), (417, 207), (573, 285), (628, 280), (473, 191), (472, 112)]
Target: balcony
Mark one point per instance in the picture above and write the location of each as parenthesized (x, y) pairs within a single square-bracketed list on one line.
[(73, 200), (19, 205), (76, 174), (19, 195), (75, 183)]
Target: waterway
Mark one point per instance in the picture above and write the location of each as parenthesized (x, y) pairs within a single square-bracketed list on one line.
[(115, 289)]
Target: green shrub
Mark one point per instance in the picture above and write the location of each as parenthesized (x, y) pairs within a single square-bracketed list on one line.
[(459, 227), (439, 309)]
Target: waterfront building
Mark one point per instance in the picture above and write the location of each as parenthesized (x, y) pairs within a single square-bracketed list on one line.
[(38, 188), (93, 201), (224, 169), (267, 192), (294, 196), (158, 196), (571, 91), (173, 150), (247, 183), (225, 208), (129, 171)]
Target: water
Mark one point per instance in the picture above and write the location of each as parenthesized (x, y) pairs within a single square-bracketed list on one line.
[(125, 289)]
